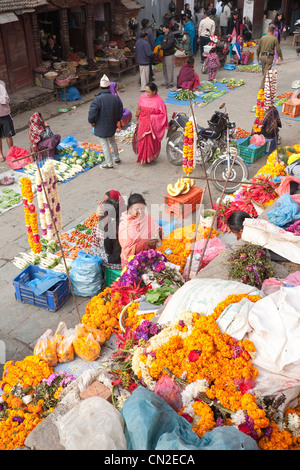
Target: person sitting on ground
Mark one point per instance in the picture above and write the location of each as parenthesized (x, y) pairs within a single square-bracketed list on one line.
[(41, 137), (127, 115), (111, 257), (97, 234), (138, 231), (187, 77), (235, 223)]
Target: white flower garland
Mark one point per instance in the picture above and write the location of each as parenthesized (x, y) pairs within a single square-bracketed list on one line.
[(50, 186)]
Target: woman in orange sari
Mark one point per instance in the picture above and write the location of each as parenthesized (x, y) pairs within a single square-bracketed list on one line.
[(151, 121), (138, 231)]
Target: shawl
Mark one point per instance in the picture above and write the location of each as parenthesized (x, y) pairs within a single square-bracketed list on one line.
[(36, 128), (186, 74), (112, 194), (134, 232)]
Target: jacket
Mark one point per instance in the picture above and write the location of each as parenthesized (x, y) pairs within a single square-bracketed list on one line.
[(104, 113), (225, 15), (168, 44), (206, 27), (143, 52), (238, 25)]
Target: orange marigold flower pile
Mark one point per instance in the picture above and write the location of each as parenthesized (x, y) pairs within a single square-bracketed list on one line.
[(177, 245), (102, 312)]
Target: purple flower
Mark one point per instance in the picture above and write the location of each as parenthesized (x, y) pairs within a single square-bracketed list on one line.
[(18, 419)]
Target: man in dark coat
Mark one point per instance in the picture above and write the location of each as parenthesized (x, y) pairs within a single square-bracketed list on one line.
[(105, 112)]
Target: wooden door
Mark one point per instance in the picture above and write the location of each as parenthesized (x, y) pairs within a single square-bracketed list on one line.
[(19, 70)]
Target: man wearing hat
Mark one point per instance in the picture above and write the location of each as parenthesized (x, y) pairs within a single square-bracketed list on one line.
[(6, 123), (105, 112)]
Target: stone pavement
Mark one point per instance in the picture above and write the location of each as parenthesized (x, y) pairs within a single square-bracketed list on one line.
[(22, 324)]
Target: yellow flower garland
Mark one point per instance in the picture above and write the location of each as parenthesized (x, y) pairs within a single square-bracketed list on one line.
[(30, 215)]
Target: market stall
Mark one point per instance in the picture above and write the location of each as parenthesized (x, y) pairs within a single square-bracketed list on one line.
[(213, 355)]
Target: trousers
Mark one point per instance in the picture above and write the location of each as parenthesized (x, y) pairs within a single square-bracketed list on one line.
[(168, 69), (145, 75), (106, 142), (266, 64)]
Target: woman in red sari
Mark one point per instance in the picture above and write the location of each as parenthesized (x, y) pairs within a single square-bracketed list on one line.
[(151, 121)]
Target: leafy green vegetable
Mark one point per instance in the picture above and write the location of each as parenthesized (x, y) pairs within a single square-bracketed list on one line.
[(159, 295)]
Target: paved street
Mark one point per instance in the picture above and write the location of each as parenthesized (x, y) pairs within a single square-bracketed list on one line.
[(22, 324)]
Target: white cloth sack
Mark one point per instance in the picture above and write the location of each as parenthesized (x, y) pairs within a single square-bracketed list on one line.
[(202, 296), (275, 331), (262, 232), (93, 424)]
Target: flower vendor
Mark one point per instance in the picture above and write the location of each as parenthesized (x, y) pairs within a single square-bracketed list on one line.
[(138, 231), (41, 137), (97, 231), (235, 223)]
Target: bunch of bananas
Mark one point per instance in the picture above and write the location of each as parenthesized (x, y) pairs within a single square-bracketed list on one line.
[(182, 186)]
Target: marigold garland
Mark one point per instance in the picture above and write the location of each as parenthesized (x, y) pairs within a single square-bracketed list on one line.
[(30, 215), (188, 148), (133, 320)]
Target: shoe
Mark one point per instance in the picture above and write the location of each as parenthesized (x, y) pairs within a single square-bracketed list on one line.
[(170, 86), (164, 84), (106, 166), (142, 91), (117, 160)]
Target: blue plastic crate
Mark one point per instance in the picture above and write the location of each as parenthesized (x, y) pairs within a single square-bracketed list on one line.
[(52, 299), (270, 145)]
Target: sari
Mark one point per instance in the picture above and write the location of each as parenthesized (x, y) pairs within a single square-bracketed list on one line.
[(134, 233), (153, 120), (127, 115)]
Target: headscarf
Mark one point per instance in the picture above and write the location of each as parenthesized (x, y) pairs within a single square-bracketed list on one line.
[(36, 128), (112, 194)]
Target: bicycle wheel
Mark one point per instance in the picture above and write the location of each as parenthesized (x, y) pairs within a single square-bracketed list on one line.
[(219, 173)]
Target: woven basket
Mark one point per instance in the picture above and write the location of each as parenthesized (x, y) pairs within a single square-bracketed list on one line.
[(51, 75), (62, 83), (124, 314)]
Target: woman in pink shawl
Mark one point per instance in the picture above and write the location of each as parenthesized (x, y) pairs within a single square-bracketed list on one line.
[(151, 121), (138, 231)]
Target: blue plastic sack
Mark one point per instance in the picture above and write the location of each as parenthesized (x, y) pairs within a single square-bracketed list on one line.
[(86, 275), (151, 424), (70, 94), (43, 281), (68, 142), (229, 67), (284, 211)]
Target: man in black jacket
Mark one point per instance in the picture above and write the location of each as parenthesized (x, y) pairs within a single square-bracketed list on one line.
[(104, 113), (168, 48)]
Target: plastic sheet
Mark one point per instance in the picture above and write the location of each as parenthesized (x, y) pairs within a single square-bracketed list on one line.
[(285, 210), (93, 424), (151, 424)]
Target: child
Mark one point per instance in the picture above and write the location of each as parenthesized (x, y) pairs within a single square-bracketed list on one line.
[(235, 223), (212, 63)]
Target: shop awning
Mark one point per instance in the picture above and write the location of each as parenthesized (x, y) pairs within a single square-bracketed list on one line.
[(15, 5), (131, 4), (8, 18)]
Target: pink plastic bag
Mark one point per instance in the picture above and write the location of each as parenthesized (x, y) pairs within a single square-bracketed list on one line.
[(258, 140), (167, 389), (213, 249), (14, 153)]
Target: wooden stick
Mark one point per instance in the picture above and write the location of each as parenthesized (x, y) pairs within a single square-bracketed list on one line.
[(215, 215), (203, 163), (56, 231), (195, 235)]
